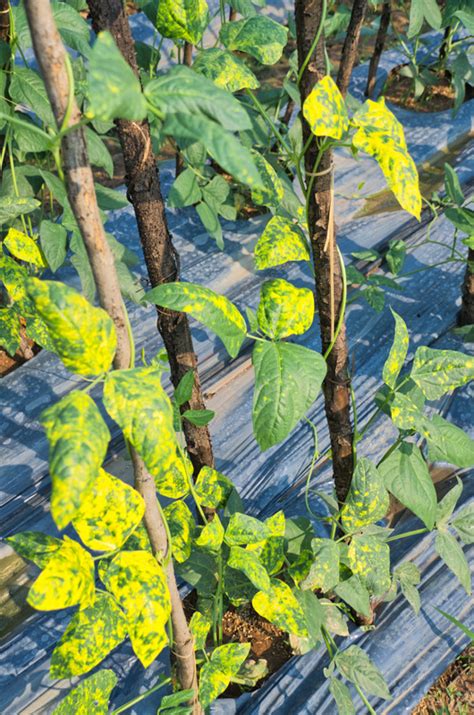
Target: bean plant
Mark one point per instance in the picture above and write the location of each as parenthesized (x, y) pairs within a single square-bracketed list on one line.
[(311, 584)]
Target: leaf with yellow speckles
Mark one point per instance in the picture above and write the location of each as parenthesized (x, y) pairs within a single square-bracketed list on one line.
[(325, 111), (324, 570), (437, 372), (35, 546), (10, 329), (398, 352), (368, 499), (271, 192), (280, 606), (78, 439), (284, 309), (213, 488), (25, 248), (90, 696), (249, 563), (406, 414), (258, 36), (138, 583), (225, 69), (271, 550), (89, 637), (381, 135), (244, 529), (281, 241), (182, 19), (199, 626), (66, 580), (181, 526), (215, 311), (212, 535), (110, 511), (369, 558), (83, 336), (138, 403), (13, 276), (216, 674)]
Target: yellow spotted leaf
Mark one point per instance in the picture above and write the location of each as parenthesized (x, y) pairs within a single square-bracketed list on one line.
[(78, 439), (199, 626), (398, 352), (66, 580), (181, 526), (325, 111), (25, 248), (90, 696), (138, 583), (212, 535), (225, 69), (280, 242), (377, 118), (369, 558), (284, 309), (110, 511), (83, 336), (213, 488), (271, 550), (13, 275), (280, 606), (89, 637), (368, 500), (271, 192), (323, 572), (138, 403), (182, 19)]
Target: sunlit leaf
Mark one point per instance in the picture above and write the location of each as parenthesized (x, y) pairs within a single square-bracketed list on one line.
[(258, 36), (212, 535), (323, 573), (280, 242), (369, 558), (25, 248), (199, 626), (464, 524), (368, 499), (284, 309), (181, 525), (215, 674), (279, 605), (90, 696), (225, 69), (244, 529), (249, 563), (271, 193), (35, 546), (437, 372), (325, 111), (398, 352), (182, 19), (10, 330), (212, 488)]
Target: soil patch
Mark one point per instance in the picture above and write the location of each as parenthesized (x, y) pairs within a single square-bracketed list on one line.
[(436, 98), (453, 692)]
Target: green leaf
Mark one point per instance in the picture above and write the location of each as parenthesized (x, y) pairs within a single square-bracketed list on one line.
[(35, 546), (212, 535), (408, 575), (136, 400), (10, 334), (408, 479), (225, 70), (369, 558), (27, 88), (12, 207), (216, 674), (462, 219), (447, 504), (437, 372), (221, 144), (342, 696), (325, 111), (280, 606), (177, 703), (185, 190), (395, 255), (245, 529), (416, 18), (114, 90), (288, 379), (138, 583), (201, 418), (110, 511), (210, 221), (449, 443), (98, 153), (212, 488), (184, 91), (89, 638), (53, 238), (90, 696), (284, 309), (200, 571), (67, 579), (324, 570), (465, 629), (453, 556), (355, 593), (182, 19), (314, 617), (199, 626), (272, 192), (280, 242), (432, 14), (83, 336), (257, 36), (398, 352), (334, 620), (368, 500), (181, 526), (356, 666), (464, 524), (184, 390), (237, 587), (247, 562), (78, 439), (215, 311), (453, 186)]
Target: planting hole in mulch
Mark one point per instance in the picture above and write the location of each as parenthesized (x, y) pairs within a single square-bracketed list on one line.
[(438, 97)]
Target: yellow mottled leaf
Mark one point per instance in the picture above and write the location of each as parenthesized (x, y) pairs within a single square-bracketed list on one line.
[(25, 248), (213, 488), (66, 580), (138, 583), (398, 352), (181, 525), (225, 69), (110, 511), (369, 558), (212, 535), (284, 309), (199, 626), (271, 192), (325, 111), (368, 500), (280, 606), (83, 336), (90, 696), (281, 241), (78, 439)]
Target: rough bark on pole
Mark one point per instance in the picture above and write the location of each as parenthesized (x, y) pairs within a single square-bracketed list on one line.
[(144, 191), (5, 21), (351, 43), (51, 57), (378, 49), (466, 313), (329, 285)]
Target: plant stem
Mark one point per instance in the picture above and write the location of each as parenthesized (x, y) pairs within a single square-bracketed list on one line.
[(141, 697), (407, 534)]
